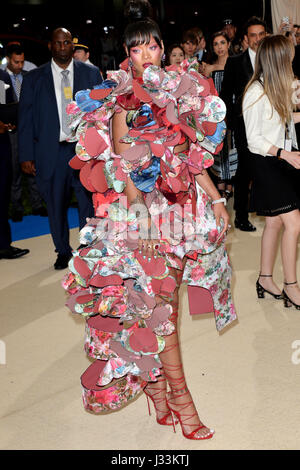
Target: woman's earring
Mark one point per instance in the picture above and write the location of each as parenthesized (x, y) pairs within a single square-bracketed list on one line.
[(130, 63), (163, 59)]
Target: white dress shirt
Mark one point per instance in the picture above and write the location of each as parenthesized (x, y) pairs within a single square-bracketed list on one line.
[(57, 77), (252, 55), (264, 127)]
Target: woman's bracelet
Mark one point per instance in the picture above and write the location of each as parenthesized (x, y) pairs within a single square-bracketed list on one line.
[(278, 154), (220, 200)]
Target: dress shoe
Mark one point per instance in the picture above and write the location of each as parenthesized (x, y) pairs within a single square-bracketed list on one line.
[(13, 252), (42, 211), (62, 261), (245, 226), (17, 216)]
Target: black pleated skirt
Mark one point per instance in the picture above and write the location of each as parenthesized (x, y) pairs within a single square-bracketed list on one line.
[(276, 186)]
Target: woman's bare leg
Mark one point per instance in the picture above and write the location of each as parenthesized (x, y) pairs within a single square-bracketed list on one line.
[(179, 396), (269, 245), (172, 370), (157, 390), (291, 222)]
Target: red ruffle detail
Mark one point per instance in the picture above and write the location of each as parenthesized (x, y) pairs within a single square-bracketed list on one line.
[(128, 102)]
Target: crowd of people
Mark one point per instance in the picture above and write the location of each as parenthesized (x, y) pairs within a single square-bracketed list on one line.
[(255, 154), (227, 56)]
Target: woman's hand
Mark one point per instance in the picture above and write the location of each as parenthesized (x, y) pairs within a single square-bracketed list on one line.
[(285, 27), (221, 213), (149, 247), (148, 241), (293, 158), (3, 127), (28, 167), (6, 127), (206, 69)]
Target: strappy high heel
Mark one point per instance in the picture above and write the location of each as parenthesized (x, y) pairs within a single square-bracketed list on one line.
[(261, 291), (181, 410), (286, 300), (184, 417), (157, 400)]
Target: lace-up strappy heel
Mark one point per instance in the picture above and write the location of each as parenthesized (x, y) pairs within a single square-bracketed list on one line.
[(184, 417), (180, 410), (154, 392), (261, 291), (286, 300)]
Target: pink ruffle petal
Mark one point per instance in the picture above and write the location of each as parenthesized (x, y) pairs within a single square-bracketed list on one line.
[(140, 93), (143, 339), (103, 281), (185, 84), (168, 285), (76, 163), (170, 113), (127, 356), (84, 176), (100, 94), (93, 142), (82, 268), (90, 377), (97, 177), (107, 324), (85, 299), (175, 184), (157, 149), (209, 128), (159, 315), (188, 131), (200, 300)]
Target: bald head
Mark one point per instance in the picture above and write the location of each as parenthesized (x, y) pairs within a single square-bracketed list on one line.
[(61, 47), (60, 30)]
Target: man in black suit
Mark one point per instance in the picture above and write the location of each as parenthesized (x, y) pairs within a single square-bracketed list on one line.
[(296, 62), (238, 71), (6, 96), (14, 67), (43, 131)]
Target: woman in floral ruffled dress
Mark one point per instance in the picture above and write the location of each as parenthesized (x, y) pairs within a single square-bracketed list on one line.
[(145, 138)]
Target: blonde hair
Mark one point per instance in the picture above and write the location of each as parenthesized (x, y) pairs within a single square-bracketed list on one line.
[(273, 69)]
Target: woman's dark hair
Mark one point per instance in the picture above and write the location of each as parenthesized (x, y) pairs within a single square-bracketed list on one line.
[(140, 26), (219, 33), (212, 56), (170, 50)]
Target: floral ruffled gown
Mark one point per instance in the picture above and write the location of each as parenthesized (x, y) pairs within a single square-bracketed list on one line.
[(109, 282)]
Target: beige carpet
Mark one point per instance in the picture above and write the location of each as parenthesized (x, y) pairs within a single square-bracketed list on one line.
[(245, 382)]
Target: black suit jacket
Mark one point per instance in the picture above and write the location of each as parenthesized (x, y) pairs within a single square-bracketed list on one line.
[(9, 98), (237, 73), (296, 62), (39, 126)]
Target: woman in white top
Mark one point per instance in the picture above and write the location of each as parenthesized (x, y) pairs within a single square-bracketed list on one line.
[(269, 121)]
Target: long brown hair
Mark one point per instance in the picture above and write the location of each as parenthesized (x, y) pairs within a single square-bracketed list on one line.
[(273, 69)]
